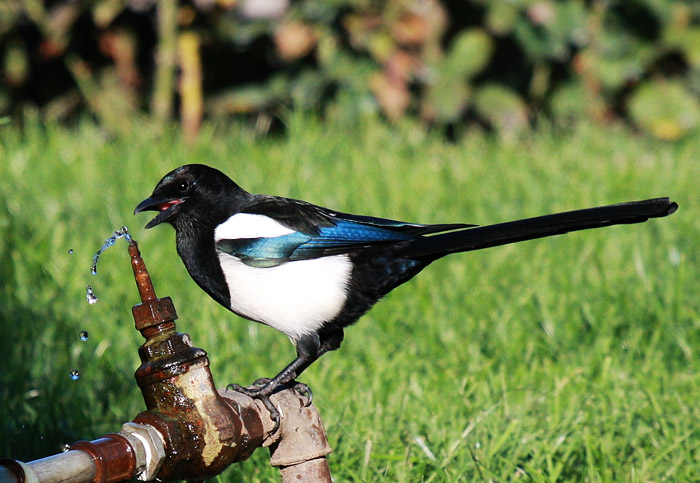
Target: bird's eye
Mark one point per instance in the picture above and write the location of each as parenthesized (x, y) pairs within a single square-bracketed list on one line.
[(183, 186)]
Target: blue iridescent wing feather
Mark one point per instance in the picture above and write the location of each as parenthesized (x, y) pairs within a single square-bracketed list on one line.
[(343, 237), (318, 233)]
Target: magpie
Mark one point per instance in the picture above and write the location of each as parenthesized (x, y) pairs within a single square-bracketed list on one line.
[(310, 271)]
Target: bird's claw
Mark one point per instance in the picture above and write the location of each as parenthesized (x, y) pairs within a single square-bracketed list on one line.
[(261, 390), (274, 413), (304, 391)]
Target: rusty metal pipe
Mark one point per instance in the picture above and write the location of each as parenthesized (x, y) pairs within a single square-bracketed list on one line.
[(141, 275), (69, 467), (300, 446), (136, 450)]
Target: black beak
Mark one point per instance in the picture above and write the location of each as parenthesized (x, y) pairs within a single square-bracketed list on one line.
[(166, 206)]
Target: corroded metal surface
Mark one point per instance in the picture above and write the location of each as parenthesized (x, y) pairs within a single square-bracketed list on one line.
[(152, 312), (113, 456), (302, 445)]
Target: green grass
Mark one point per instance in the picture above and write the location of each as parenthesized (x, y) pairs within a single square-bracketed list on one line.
[(573, 358)]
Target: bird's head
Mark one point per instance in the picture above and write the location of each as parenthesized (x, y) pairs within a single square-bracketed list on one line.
[(194, 191)]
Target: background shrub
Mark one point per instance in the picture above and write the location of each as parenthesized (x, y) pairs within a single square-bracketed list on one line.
[(494, 63)]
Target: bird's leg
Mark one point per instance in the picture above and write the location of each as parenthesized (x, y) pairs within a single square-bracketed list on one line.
[(264, 391), (309, 349), (268, 386)]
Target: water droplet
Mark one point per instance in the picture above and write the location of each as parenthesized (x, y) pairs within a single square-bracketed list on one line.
[(65, 447), (74, 374), (70, 252), (83, 335), (90, 295), (123, 232)]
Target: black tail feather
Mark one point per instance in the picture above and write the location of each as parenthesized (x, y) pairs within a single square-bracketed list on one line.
[(477, 238)]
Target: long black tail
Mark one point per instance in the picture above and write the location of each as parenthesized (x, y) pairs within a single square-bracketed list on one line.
[(480, 237)]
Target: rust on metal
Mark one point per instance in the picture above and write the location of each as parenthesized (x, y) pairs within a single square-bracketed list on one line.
[(113, 456), (153, 315), (203, 432), (301, 448), (315, 470), (143, 279)]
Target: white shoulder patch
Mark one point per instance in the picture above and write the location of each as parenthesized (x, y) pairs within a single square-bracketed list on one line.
[(247, 225)]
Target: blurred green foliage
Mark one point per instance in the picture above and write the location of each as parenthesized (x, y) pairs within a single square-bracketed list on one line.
[(495, 63)]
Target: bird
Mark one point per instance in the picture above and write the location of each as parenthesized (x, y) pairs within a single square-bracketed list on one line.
[(309, 271)]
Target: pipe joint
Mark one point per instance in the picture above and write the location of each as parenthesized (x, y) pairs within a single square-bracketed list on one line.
[(148, 447)]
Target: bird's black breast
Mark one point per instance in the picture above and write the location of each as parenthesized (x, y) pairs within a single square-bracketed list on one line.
[(198, 253)]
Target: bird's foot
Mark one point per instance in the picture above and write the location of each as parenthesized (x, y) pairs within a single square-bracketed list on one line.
[(260, 388), (263, 388)]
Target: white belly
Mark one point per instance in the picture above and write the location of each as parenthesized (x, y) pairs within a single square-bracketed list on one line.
[(295, 297)]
